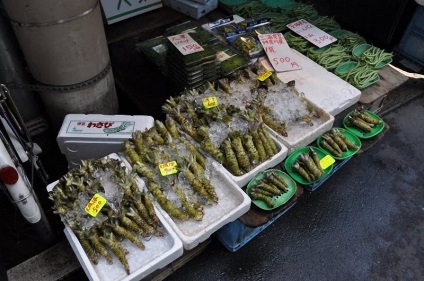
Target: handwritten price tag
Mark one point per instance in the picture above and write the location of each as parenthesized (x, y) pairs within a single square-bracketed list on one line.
[(278, 52), (210, 102), (95, 205), (326, 161), (185, 44), (312, 33), (169, 168), (264, 75)]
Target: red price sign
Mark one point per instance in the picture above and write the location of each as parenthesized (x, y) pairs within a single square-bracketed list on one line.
[(185, 44), (311, 33), (278, 51)]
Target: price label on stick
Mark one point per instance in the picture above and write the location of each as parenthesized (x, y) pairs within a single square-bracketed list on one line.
[(185, 44), (168, 168), (311, 33), (95, 205), (278, 52), (210, 102)]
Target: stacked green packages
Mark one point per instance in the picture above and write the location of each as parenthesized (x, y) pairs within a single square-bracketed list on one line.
[(192, 70)]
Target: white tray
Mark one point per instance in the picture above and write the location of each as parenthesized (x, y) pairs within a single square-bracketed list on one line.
[(323, 88), (302, 135), (233, 202), (274, 160), (159, 252)]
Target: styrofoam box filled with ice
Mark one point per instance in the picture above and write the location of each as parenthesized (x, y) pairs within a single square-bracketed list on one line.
[(301, 134), (245, 178), (274, 160), (158, 252), (233, 202), (320, 86)]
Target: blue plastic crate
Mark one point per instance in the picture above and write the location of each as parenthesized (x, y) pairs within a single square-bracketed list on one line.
[(235, 235), (411, 45)]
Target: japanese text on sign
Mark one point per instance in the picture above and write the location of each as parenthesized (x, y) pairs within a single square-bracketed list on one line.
[(185, 44), (210, 102), (311, 33), (278, 52), (168, 168), (95, 205)]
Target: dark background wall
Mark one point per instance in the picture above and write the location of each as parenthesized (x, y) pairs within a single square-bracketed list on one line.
[(381, 22)]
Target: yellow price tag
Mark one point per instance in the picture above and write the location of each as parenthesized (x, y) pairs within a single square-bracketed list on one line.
[(169, 168), (326, 161), (95, 205), (264, 75), (210, 102)]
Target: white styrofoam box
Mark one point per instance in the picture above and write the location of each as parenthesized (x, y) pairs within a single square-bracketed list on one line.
[(190, 8), (276, 159), (303, 134), (159, 252), (323, 88), (92, 136), (244, 179), (115, 11), (233, 202)]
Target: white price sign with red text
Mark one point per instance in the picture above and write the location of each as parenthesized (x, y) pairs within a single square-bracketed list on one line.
[(311, 33), (185, 44), (278, 52)]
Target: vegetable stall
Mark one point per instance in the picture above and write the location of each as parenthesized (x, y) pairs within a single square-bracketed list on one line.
[(234, 143)]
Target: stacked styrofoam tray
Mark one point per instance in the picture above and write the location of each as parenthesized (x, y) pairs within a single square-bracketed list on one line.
[(303, 134), (274, 160), (245, 178), (159, 252), (323, 88), (233, 202)]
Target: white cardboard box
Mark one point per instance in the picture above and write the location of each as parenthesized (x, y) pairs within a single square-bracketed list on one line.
[(118, 10), (85, 136), (190, 8)]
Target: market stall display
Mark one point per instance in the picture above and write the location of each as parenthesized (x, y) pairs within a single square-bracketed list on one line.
[(339, 143), (110, 222), (270, 189), (191, 191), (304, 166), (363, 123)]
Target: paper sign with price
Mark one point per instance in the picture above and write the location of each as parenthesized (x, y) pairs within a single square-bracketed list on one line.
[(311, 33), (210, 102), (278, 52), (95, 205), (185, 44), (168, 168)]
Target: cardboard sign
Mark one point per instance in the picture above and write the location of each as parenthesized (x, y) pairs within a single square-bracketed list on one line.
[(185, 43), (311, 33), (122, 9), (278, 52)]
